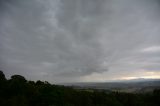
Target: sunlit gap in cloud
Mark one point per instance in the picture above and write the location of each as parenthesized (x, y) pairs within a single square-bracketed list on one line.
[(105, 77), (151, 49)]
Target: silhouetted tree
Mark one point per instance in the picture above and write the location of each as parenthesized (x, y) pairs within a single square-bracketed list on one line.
[(17, 91), (18, 78), (2, 76)]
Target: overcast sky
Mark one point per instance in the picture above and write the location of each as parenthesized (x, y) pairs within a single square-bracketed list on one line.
[(80, 40)]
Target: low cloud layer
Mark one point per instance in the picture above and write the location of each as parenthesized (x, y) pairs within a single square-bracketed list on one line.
[(72, 40)]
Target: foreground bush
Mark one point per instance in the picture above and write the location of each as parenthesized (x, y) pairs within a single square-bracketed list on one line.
[(17, 91)]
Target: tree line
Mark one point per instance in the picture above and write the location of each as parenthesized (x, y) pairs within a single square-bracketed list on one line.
[(17, 91)]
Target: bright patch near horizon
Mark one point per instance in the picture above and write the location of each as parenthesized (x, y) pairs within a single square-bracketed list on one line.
[(152, 49)]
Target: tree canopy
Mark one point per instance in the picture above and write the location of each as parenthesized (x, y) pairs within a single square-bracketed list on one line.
[(18, 91)]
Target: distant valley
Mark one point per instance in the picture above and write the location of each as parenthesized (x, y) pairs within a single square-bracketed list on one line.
[(132, 86)]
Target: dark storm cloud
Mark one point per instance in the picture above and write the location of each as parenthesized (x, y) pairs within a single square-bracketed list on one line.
[(64, 40)]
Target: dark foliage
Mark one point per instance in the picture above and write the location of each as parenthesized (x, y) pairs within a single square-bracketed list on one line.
[(17, 91)]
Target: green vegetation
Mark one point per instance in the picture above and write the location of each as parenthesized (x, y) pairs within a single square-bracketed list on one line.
[(17, 91)]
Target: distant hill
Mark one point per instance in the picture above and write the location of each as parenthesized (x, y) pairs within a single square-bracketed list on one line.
[(17, 91), (136, 85)]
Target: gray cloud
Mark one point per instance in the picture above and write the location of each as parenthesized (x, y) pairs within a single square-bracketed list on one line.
[(66, 40)]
